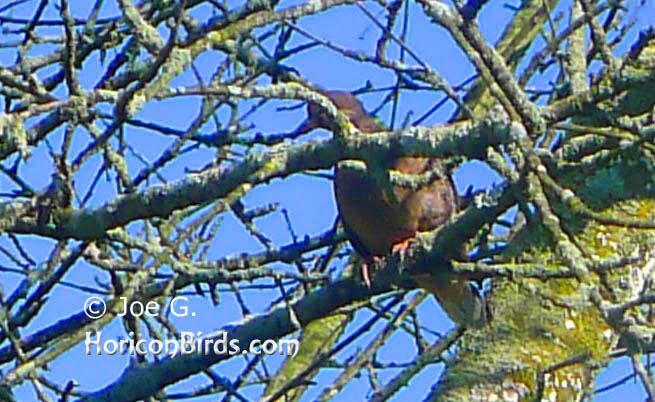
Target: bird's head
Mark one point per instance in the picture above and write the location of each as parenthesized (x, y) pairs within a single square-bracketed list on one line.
[(348, 104)]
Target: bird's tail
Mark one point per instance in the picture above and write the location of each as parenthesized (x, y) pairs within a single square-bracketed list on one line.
[(462, 301)]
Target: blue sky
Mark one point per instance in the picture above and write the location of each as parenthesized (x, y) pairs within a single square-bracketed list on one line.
[(308, 200)]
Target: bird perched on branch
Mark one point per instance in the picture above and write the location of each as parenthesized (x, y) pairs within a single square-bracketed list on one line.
[(382, 218), (57, 197)]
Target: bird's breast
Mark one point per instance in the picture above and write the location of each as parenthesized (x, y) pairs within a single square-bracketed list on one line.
[(380, 217), (377, 221)]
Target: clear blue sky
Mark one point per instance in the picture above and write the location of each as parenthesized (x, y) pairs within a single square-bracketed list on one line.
[(308, 200)]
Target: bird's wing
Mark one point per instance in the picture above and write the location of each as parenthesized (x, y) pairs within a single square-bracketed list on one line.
[(356, 242)]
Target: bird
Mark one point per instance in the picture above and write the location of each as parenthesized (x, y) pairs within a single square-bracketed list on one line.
[(57, 197), (380, 218)]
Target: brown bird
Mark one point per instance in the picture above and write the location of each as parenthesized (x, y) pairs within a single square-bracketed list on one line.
[(381, 219)]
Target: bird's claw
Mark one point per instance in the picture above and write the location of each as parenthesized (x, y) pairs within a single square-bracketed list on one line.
[(402, 249), (365, 277), (376, 262)]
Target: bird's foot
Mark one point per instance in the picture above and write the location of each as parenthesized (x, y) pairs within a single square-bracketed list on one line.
[(402, 249), (375, 261)]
